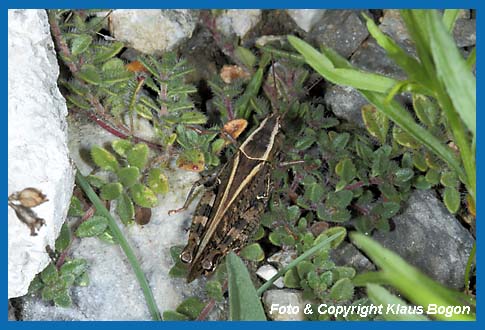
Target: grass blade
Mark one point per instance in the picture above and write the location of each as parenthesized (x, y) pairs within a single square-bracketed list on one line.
[(341, 76), (245, 304), (453, 71), (410, 282), (449, 18), (379, 296), (125, 246)]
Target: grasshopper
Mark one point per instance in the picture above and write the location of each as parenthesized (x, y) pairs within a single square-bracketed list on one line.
[(229, 212)]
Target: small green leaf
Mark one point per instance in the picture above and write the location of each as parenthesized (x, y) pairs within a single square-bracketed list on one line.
[(389, 209), (75, 208), (244, 303), (63, 299), (111, 191), (128, 176), (174, 316), (104, 159), (35, 285), (125, 208), (89, 74), (376, 122), (75, 267), (346, 170), (449, 179), (314, 192), (121, 147), (191, 307), (342, 290), (80, 44), (83, 279), (49, 275), (304, 267), (157, 181), (217, 146), (419, 161), (306, 141), (92, 227), (253, 252), (291, 279), (426, 110), (340, 199), (452, 199), (404, 138), (68, 279), (330, 232), (343, 272), (179, 270), (433, 176), (143, 196), (214, 290), (64, 239), (138, 155), (404, 174), (192, 118), (96, 181), (245, 56)]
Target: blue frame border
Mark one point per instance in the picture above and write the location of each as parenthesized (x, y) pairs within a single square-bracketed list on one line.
[(267, 4)]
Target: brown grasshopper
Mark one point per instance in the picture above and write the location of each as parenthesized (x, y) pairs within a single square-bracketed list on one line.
[(228, 213)]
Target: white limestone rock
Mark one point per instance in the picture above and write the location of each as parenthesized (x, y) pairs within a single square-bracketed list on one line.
[(37, 143), (238, 21), (306, 18), (153, 30)]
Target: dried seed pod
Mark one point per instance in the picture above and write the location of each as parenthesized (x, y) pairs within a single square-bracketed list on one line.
[(143, 215), (229, 73), (235, 127), (29, 197), (27, 216)]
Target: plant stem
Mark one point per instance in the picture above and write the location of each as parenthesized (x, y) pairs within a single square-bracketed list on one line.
[(295, 262), (125, 246)]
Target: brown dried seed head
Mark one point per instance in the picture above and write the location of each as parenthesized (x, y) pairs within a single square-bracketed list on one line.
[(231, 72), (235, 127), (29, 197)]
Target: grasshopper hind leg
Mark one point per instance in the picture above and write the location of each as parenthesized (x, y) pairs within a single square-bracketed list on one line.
[(199, 221)]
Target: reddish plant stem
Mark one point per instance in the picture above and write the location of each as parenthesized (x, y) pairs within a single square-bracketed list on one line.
[(210, 305), (62, 258), (107, 123)]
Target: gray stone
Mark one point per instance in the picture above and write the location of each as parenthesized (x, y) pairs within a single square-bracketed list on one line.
[(393, 25), (238, 21), (306, 18), (266, 272), (348, 255), (285, 298), (341, 30), (153, 30), (282, 258), (427, 236), (373, 58), (346, 103), (37, 143), (465, 33)]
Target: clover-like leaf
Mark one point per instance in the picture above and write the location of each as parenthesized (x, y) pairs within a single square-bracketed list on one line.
[(376, 122), (125, 208), (92, 227), (104, 159), (143, 195), (128, 176), (111, 191), (253, 252), (138, 156), (452, 199), (121, 146), (191, 307), (342, 290), (75, 208), (157, 181)]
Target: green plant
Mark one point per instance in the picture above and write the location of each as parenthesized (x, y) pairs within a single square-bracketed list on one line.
[(410, 282), (439, 72), (55, 281)]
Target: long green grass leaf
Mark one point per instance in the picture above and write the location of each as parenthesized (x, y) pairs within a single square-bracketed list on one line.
[(244, 303), (453, 71), (341, 76), (125, 246), (449, 18), (380, 296), (410, 282)]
